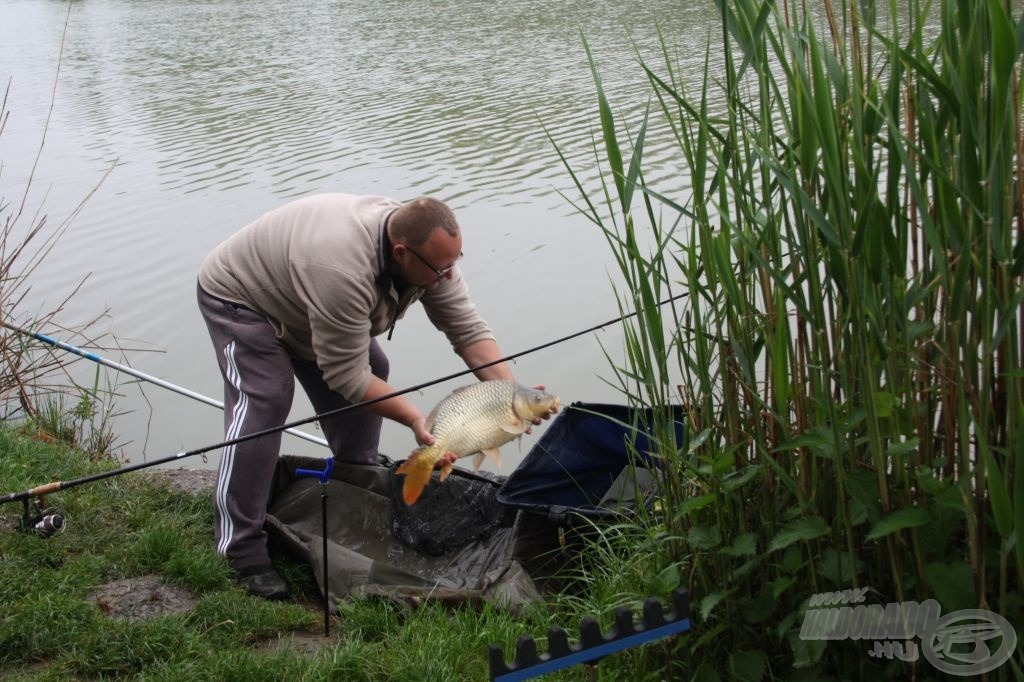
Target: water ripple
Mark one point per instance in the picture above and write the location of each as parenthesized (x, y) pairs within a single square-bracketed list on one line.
[(290, 98), (218, 109)]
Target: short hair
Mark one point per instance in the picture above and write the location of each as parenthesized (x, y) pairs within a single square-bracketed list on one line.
[(414, 221)]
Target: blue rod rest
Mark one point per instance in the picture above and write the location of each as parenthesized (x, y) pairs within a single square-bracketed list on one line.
[(593, 644), (322, 476)]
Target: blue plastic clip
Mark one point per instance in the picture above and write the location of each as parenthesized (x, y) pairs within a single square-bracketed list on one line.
[(323, 476)]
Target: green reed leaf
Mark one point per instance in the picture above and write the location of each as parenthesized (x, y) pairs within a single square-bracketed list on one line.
[(1003, 56), (611, 143), (636, 161), (1018, 493), (998, 491)]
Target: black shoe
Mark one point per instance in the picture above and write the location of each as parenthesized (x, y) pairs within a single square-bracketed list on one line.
[(265, 583)]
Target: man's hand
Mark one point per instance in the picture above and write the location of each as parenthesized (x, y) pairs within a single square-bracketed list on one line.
[(419, 431), (424, 437)]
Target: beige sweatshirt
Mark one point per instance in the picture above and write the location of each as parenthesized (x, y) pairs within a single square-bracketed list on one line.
[(317, 268)]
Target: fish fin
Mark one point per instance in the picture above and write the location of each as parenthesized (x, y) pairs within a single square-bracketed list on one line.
[(408, 465), (493, 453), (446, 468), (517, 427), (417, 471), (478, 459)]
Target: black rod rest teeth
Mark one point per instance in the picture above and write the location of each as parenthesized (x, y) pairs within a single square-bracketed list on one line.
[(591, 636)]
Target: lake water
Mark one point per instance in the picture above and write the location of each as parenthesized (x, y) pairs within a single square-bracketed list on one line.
[(209, 113)]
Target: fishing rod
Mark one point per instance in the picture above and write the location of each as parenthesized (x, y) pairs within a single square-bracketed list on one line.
[(88, 355), (55, 486)]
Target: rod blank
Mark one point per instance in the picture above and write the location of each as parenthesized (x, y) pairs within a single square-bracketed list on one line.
[(49, 340)]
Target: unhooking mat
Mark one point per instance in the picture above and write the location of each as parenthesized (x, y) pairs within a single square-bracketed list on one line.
[(372, 551), (475, 537)]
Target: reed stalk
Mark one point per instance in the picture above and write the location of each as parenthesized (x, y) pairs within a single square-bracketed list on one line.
[(850, 358)]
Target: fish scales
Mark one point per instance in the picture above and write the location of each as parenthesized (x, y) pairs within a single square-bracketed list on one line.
[(465, 423)]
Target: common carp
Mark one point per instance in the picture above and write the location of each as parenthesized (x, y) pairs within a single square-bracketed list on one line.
[(476, 419)]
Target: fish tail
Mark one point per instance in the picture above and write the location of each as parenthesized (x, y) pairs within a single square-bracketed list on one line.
[(417, 470)]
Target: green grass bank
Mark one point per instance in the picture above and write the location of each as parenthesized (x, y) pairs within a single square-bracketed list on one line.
[(61, 620)]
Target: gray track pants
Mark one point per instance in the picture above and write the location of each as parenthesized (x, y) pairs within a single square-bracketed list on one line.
[(259, 384)]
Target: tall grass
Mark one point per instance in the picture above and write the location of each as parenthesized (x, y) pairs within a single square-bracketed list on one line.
[(849, 357), (35, 383)]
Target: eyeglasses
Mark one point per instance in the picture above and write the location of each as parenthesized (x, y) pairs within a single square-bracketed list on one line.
[(440, 272)]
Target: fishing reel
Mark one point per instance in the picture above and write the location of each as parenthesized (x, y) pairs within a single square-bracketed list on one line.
[(43, 522)]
